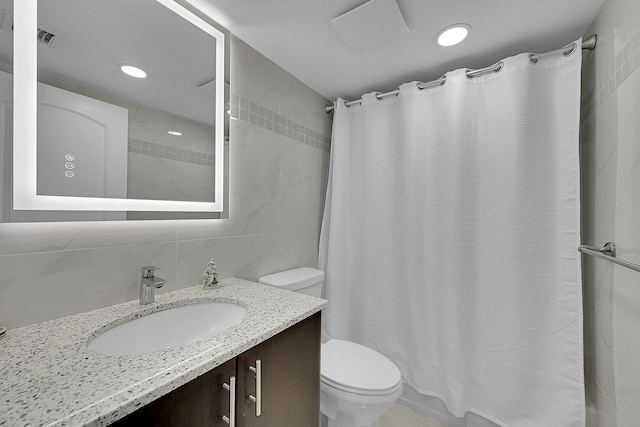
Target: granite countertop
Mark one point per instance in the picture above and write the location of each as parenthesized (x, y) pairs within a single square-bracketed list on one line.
[(49, 377)]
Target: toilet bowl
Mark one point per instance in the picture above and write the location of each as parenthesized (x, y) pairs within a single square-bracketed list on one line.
[(357, 384)]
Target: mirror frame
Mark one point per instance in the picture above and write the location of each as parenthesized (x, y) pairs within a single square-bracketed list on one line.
[(25, 81)]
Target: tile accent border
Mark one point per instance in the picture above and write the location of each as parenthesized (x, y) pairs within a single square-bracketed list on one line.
[(167, 152), (625, 63), (249, 111)]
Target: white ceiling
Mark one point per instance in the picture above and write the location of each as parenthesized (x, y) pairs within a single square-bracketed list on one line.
[(298, 35)]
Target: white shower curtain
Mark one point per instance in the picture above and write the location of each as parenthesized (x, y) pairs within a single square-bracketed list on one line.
[(449, 239)]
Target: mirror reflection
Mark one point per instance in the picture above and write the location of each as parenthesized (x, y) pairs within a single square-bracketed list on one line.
[(126, 102), (6, 104)]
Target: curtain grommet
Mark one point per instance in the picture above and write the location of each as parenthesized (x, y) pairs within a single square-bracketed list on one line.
[(573, 49), (495, 68), (434, 83)]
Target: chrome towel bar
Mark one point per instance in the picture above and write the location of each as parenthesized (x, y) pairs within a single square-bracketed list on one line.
[(608, 252)]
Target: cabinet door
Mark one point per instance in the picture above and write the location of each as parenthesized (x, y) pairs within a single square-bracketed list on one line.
[(290, 379), (201, 402)]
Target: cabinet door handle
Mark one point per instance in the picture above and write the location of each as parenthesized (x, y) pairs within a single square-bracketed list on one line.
[(258, 397), (231, 388)]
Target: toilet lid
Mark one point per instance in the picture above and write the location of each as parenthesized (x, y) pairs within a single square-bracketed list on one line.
[(354, 366)]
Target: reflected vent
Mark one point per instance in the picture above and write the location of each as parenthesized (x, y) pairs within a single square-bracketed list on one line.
[(6, 23), (45, 36)]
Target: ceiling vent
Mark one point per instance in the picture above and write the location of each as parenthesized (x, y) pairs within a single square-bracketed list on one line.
[(371, 25)]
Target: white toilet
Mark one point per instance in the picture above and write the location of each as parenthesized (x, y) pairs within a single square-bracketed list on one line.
[(357, 384)]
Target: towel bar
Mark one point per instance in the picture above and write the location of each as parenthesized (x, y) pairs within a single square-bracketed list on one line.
[(608, 252)]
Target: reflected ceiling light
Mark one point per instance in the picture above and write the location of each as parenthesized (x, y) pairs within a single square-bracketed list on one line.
[(453, 34), (174, 133), (132, 71)]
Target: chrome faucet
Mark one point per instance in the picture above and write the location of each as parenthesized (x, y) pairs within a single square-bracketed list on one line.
[(149, 283)]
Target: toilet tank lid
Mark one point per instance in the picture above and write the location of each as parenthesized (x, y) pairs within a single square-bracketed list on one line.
[(294, 279)]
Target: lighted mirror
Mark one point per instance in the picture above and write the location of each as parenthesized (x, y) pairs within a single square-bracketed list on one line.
[(118, 107)]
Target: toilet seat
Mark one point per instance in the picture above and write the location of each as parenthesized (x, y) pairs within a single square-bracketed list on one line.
[(358, 369)]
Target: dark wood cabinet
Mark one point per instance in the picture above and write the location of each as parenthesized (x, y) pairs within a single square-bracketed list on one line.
[(290, 387), (290, 378), (201, 402)]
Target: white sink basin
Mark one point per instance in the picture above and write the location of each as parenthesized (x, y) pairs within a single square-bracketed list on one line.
[(168, 328)]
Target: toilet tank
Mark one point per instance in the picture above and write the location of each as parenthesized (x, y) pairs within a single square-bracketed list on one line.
[(304, 280)]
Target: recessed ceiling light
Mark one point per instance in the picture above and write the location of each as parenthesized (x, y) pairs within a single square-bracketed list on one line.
[(453, 34), (174, 133), (132, 71)]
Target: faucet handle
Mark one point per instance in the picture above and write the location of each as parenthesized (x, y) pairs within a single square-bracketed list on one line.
[(148, 271)]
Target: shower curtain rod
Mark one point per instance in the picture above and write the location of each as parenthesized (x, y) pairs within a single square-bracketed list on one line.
[(589, 43)]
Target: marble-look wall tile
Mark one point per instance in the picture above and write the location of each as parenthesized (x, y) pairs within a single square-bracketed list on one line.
[(610, 132), (302, 185), (248, 257), (627, 343), (25, 238), (254, 77), (254, 113), (599, 168), (41, 286), (296, 106), (626, 302), (253, 186), (606, 414)]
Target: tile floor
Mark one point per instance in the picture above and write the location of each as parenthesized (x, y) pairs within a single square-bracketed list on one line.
[(401, 416)]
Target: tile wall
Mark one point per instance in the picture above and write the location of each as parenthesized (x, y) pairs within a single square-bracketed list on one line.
[(249, 111), (610, 146), (276, 197)]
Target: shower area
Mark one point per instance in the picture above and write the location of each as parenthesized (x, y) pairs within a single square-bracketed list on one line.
[(464, 227)]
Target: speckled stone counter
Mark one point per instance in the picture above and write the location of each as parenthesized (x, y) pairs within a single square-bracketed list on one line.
[(49, 377)]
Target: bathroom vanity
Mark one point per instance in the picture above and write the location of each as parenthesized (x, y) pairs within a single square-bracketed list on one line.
[(49, 377), (289, 383)]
